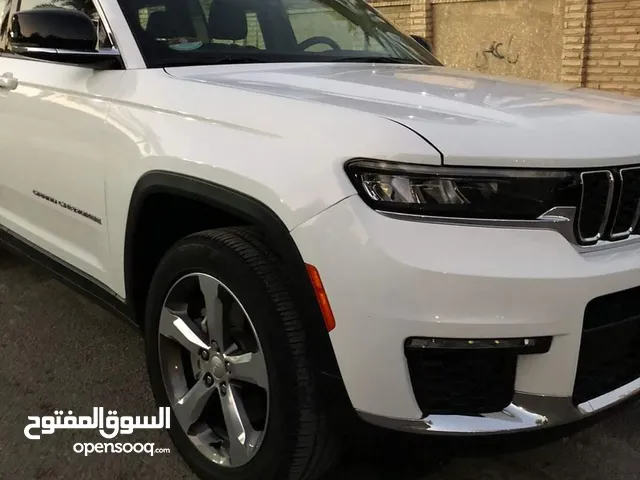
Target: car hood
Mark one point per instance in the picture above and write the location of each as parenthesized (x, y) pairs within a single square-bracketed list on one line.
[(472, 119)]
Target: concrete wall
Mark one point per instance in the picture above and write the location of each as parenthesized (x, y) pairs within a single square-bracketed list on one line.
[(502, 37), (592, 43)]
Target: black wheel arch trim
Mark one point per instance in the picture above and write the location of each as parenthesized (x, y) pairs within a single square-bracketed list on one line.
[(256, 213)]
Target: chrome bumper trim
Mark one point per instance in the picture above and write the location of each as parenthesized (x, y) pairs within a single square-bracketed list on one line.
[(526, 412)]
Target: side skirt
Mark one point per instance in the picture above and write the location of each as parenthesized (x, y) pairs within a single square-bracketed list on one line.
[(82, 283)]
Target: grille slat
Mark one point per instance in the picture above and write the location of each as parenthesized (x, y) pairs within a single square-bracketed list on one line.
[(626, 218), (597, 195), (610, 205)]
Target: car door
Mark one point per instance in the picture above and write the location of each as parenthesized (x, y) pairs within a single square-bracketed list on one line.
[(52, 123)]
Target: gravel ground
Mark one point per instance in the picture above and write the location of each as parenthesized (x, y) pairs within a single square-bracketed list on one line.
[(57, 350)]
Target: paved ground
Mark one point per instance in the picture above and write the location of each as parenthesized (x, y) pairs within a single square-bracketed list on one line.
[(59, 351)]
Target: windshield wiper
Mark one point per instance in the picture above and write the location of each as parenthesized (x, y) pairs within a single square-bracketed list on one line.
[(212, 60), (226, 59), (377, 60)]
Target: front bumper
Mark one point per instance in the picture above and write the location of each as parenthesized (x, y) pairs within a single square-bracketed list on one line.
[(388, 280), (526, 413)]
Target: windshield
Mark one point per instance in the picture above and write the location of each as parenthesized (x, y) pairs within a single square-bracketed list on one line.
[(197, 32)]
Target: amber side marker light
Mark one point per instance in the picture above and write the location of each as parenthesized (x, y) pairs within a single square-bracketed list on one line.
[(321, 295)]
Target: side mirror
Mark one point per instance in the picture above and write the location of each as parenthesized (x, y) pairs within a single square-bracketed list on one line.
[(57, 34), (424, 42)]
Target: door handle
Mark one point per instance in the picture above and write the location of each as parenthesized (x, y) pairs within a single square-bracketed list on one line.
[(8, 81)]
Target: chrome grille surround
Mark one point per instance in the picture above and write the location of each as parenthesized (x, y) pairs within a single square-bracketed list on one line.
[(606, 187), (628, 203), (611, 200)]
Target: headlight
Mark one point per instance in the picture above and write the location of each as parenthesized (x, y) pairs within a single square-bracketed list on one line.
[(514, 194)]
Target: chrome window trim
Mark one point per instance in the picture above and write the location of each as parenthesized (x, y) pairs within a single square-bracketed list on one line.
[(607, 210), (106, 52), (634, 222), (107, 26)]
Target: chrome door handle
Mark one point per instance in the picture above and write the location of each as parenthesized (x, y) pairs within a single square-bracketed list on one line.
[(8, 81)]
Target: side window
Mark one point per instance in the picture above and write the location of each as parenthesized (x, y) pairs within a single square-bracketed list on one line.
[(85, 6), (170, 21), (145, 12), (311, 18), (254, 32), (254, 37), (4, 22), (4, 11)]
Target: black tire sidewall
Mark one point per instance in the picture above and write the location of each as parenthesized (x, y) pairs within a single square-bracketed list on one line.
[(229, 267)]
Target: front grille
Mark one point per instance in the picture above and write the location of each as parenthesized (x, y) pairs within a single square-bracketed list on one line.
[(462, 382), (610, 349), (626, 219), (610, 205), (597, 194)]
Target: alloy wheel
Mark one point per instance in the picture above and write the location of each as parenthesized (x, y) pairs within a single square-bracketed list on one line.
[(213, 370)]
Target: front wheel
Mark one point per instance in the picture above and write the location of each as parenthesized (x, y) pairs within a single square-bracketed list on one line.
[(227, 352)]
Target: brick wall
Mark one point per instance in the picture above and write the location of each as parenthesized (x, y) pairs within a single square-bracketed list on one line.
[(600, 43), (410, 16), (575, 34), (600, 39), (397, 13), (612, 47)]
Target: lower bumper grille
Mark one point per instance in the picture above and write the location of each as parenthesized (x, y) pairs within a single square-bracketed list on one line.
[(462, 382), (610, 350), (466, 376)]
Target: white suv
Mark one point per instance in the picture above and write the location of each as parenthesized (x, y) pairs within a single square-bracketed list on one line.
[(308, 216)]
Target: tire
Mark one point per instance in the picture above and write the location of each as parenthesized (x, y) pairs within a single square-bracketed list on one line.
[(297, 443)]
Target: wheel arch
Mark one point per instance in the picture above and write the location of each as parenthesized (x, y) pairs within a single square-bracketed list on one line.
[(251, 212)]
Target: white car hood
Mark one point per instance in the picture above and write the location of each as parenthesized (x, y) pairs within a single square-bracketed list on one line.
[(471, 119)]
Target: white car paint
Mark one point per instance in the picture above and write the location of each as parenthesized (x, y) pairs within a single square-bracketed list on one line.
[(409, 278), (471, 118), (281, 134)]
